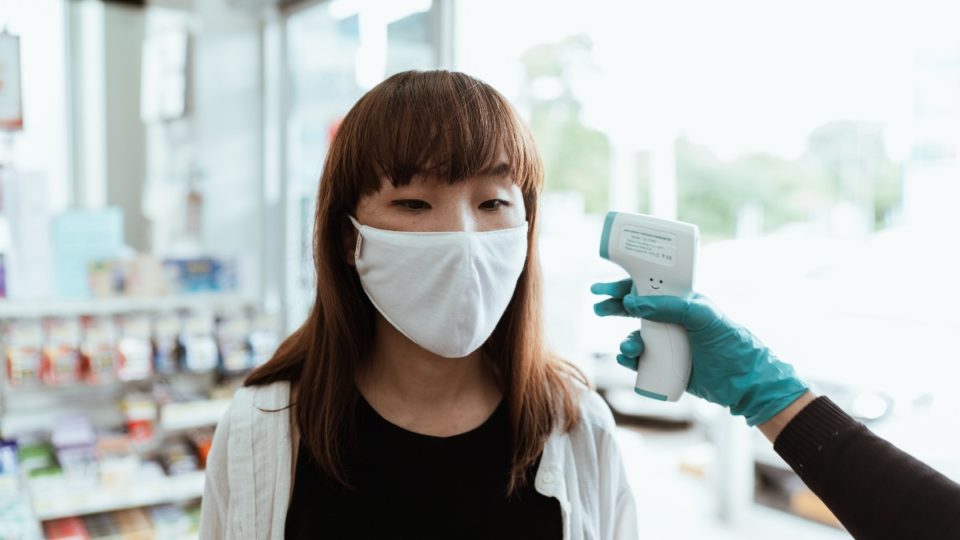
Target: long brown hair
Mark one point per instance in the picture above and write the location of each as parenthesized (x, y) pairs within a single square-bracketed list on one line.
[(451, 126)]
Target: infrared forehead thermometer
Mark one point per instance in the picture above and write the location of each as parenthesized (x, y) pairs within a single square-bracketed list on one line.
[(660, 256)]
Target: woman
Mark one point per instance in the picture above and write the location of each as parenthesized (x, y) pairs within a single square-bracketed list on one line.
[(417, 400)]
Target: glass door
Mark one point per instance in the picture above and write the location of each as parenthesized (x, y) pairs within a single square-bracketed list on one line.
[(334, 52)]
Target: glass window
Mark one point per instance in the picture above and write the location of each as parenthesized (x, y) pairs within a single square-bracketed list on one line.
[(816, 145), (337, 51)]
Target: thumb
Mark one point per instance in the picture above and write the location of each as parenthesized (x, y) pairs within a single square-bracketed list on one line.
[(665, 309)]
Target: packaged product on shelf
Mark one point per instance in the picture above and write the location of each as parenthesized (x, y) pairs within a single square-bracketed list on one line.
[(37, 459), (202, 274), (101, 526), (23, 341), (134, 524), (62, 351), (9, 468), (80, 236), (101, 358), (178, 458), (75, 441), (105, 278), (118, 463), (199, 345), (145, 277), (233, 338), (69, 528), (170, 521), (141, 276), (264, 339), (201, 440), (167, 328), (135, 347), (140, 415)]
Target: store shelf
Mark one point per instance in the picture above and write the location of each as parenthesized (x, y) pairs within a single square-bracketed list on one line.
[(53, 501), (192, 414), (24, 309)]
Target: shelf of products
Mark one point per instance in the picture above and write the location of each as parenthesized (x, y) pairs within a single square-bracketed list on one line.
[(108, 409), (167, 522)]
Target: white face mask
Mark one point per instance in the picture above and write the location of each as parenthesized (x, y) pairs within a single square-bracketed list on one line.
[(446, 291)]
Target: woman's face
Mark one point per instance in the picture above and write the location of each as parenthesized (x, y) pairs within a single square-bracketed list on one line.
[(487, 202)]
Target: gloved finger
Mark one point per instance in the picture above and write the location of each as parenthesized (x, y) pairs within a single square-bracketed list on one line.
[(693, 313), (666, 309), (610, 306), (633, 345), (628, 361), (616, 289)]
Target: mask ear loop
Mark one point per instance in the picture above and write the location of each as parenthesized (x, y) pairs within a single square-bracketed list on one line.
[(356, 249)]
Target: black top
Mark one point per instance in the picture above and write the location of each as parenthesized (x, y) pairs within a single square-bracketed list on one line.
[(875, 489), (410, 485)]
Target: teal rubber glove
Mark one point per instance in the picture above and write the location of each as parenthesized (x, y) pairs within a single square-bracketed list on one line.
[(731, 367)]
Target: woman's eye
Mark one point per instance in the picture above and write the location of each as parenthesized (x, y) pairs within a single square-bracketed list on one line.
[(412, 204), (494, 204)]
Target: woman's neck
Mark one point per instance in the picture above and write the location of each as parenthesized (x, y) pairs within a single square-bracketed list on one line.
[(423, 392)]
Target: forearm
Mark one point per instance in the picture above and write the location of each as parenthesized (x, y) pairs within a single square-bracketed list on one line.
[(875, 489)]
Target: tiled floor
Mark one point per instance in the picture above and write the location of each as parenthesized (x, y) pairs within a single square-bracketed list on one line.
[(675, 504)]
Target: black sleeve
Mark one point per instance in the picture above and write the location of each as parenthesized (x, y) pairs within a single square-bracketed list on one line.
[(875, 489)]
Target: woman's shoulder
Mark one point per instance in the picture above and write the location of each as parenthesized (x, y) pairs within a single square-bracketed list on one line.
[(265, 396), (256, 403), (595, 414)]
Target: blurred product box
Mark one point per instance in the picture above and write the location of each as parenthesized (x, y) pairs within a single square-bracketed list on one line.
[(233, 339), (141, 276), (204, 274), (200, 351), (101, 359), (75, 441), (201, 440), (62, 362), (38, 459), (140, 416), (170, 521), (79, 238), (178, 458), (167, 347), (23, 352), (9, 469), (71, 528), (118, 463), (135, 347), (134, 524)]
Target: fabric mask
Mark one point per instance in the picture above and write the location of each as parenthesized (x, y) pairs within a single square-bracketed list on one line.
[(445, 291)]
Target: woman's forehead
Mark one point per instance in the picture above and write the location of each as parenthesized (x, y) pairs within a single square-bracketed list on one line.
[(500, 172), (436, 182)]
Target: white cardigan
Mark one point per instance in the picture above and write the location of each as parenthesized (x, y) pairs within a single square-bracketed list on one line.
[(251, 464)]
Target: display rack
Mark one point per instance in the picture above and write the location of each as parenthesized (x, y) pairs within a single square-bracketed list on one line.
[(59, 499), (23, 309), (24, 409)]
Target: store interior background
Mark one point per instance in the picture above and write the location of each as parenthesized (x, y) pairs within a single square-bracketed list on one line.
[(156, 205)]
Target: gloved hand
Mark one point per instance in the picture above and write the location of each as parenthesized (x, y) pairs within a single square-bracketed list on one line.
[(730, 366)]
